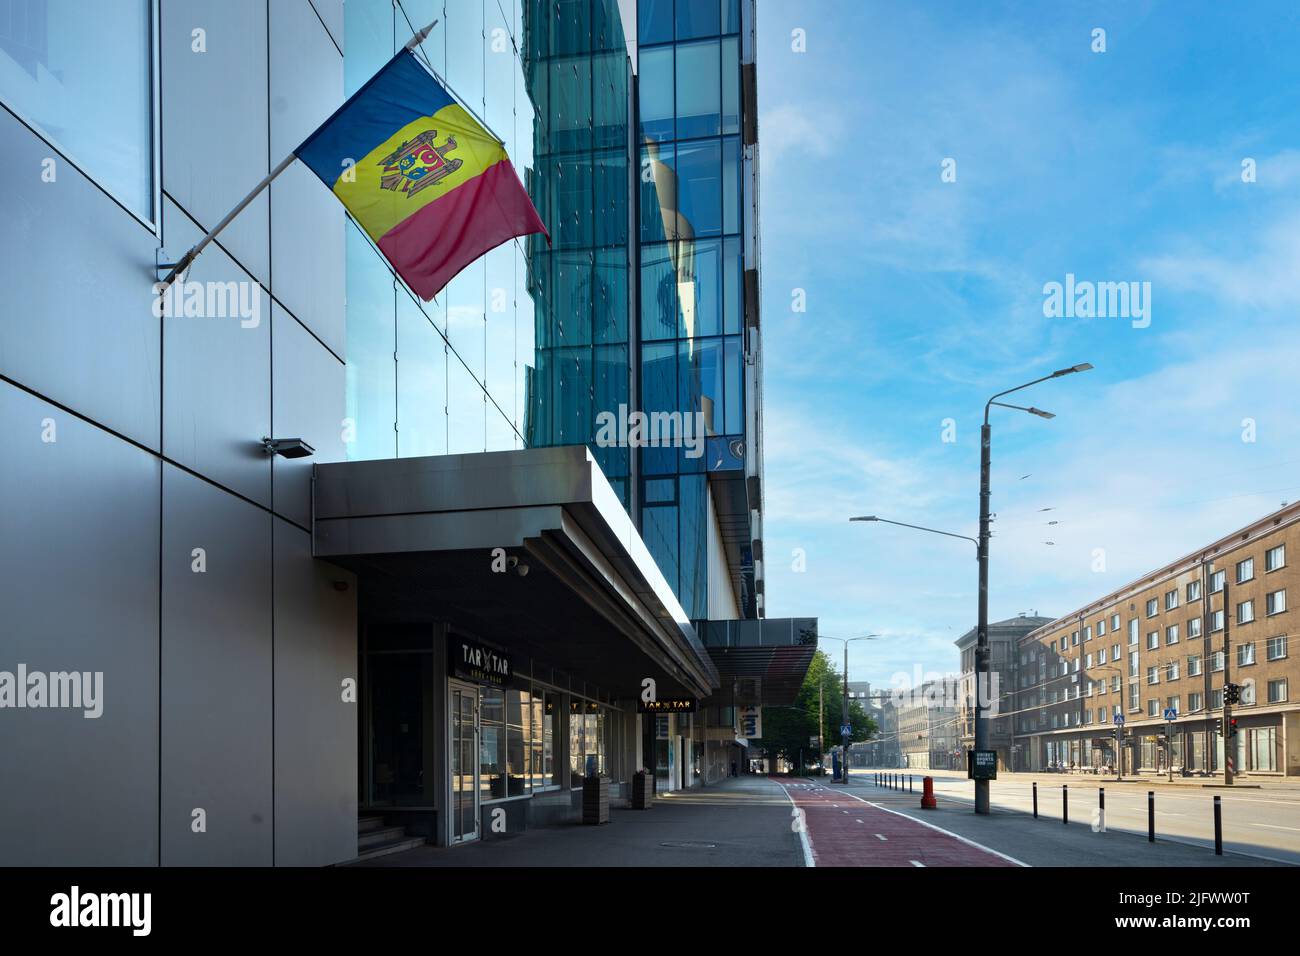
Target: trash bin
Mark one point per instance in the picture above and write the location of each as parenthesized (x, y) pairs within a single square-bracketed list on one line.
[(642, 790), (595, 800)]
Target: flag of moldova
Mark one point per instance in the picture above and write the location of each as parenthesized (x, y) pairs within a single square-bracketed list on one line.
[(431, 186)]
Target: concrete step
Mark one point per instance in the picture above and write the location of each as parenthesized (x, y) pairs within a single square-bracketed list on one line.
[(366, 824), (394, 846), (379, 836)]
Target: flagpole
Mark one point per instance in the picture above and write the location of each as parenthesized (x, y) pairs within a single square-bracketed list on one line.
[(187, 260)]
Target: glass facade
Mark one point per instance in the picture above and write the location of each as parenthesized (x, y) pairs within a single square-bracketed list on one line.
[(689, 213), (637, 303)]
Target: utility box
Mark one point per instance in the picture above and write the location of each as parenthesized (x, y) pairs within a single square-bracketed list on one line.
[(595, 800)]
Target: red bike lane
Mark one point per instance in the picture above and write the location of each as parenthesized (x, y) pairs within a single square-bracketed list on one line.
[(843, 830)]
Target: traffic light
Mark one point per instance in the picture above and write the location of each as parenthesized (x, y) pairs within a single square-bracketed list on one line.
[(1228, 727), (1232, 693), (1232, 727)]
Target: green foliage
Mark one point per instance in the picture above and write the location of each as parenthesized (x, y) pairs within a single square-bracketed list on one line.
[(788, 730)]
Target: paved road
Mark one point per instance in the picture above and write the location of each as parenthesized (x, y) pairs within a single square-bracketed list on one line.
[(845, 830), (1263, 823)]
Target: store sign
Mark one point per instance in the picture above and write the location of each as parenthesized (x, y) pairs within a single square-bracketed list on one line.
[(751, 721), (471, 661), (673, 705)]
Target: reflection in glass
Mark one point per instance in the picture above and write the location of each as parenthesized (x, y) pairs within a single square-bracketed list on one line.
[(698, 91)]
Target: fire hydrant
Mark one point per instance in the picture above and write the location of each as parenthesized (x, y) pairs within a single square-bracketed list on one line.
[(927, 795)]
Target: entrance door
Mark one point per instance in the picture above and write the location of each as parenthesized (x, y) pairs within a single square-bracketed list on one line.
[(463, 750)]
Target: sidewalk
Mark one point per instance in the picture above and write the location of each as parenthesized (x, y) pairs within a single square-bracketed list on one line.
[(1044, 841), (742, 822)]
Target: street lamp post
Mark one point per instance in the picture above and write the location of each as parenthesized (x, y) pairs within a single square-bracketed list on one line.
[(982, 555), (845, 727)]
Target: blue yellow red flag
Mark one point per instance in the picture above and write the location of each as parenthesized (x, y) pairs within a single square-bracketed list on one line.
[(430, 185)]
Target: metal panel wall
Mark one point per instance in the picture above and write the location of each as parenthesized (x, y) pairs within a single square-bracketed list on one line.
[(79, 589), (315, 728), (216, 676)]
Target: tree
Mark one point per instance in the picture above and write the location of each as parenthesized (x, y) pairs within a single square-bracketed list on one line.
[(788, 730)]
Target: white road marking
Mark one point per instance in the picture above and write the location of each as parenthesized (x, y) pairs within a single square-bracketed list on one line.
[(917, 863), (956, 836), (880, 836)]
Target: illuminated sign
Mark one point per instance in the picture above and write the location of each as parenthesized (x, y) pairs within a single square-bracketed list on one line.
[(469, 660), (673, 705)]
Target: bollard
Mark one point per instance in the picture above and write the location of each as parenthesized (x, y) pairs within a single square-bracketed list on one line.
[(909, 783), (1151, 816), (927, 796), (1065, 803), (1101, 808), (1218, 827), (1035, 799)]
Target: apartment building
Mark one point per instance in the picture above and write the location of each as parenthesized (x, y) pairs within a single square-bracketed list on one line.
[(1164, 646), (927, 726), (1004, 680)]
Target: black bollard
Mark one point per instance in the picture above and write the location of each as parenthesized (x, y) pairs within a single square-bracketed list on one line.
[(1218, 827), (1151, 816), (1035, 799), (1065, 803)]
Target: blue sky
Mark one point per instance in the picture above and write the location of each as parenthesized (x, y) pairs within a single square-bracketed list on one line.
[(925, 297)]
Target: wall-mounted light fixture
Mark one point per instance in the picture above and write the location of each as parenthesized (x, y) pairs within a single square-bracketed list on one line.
[(287, 447)]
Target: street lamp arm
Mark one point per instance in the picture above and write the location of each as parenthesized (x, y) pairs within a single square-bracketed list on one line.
[(1083, 367), (917, 527)]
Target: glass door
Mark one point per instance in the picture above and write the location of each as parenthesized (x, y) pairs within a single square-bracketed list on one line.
[(464, 804)]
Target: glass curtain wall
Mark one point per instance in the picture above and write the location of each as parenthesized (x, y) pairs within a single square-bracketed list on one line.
[(577, 77), (691, 271), (447, 376)]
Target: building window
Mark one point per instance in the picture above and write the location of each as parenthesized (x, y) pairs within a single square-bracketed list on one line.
[(1275, 602), (1193, 665), (1153, 640), (1171, 670), (1245, 612), (1245, 570), (1101, 627), (1133, 692), (1216, 699), (1171, 599), (1275, 558), (1087, 633), (1171, 634), (1245, 654), (1216, 661), (1193, 627), (1275, 650), (1115, 683), (1064, 643), (1089, 690), (1153, 607), (1153, 675), (1216, 620), (1193, 590), (1101, 686), (1114, 623), (1195, 702), (1277, 691), (1153, 707), (1089, 661), (1076, 665), (1133, 664), (86, 85), (1132, 632), (1263, 748), (1101, 656), (1074, 638), (1217, 580), (1173, 703), (1114, 652)]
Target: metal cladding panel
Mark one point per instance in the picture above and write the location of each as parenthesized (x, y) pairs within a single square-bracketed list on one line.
[(310, 402), (331, 14), (216, 676), (315, 728), (307, 220), (79, 589), (217, 378), (78, 270), (214, 108)]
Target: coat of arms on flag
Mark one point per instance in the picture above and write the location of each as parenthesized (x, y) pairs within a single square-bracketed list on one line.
[(419, 163)]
